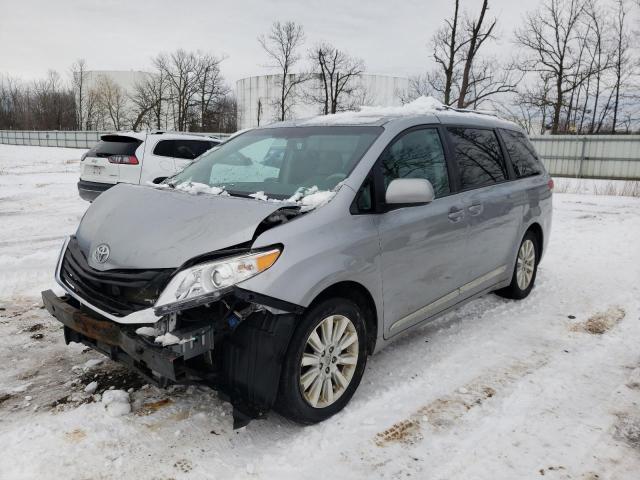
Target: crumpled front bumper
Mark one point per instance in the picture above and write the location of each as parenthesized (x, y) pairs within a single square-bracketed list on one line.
[(118, 343), (249, 360)]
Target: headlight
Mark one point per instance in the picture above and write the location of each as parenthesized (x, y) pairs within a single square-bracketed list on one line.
[(208, 281)]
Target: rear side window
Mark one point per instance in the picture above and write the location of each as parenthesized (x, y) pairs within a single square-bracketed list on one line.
[(186, 149), (478, 156), (114, 145), (522, 154), (417, 154)]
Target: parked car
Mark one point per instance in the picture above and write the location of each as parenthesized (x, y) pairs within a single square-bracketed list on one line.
[(272, 277), (133, 157)]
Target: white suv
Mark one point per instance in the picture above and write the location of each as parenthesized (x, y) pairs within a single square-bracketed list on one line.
[(132, 157)]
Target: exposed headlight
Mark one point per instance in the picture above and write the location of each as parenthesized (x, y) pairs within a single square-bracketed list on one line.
[(208, 281)]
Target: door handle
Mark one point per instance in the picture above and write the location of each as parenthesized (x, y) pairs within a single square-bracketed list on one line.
[(455, 214), (476, 209)]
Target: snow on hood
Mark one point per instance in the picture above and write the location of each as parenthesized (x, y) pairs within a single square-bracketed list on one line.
[(419, 106)]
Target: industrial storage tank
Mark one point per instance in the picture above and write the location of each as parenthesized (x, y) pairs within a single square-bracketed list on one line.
[(258, 97)]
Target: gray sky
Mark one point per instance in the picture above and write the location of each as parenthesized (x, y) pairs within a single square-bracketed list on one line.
[(391, 36)]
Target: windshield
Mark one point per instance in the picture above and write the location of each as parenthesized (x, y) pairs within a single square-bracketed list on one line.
[(280, 162)]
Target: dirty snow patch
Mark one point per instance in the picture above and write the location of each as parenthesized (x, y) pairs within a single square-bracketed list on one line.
[(91, 387), (116, 402), (89, 364)]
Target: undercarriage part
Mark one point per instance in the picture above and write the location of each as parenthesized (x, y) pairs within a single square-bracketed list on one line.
[(241, 357)]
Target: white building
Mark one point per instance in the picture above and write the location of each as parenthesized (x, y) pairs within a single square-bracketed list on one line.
[(261, 93)]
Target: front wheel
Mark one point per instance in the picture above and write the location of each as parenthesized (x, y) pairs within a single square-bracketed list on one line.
[(324, 363), (525, 270)]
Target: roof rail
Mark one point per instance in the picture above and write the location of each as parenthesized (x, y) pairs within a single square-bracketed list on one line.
[(468, 110)]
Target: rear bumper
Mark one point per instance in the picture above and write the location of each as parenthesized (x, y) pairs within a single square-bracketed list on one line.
[(157, 364), (89, 191)]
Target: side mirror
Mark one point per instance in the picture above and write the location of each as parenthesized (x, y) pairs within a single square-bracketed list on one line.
[(409, 191)]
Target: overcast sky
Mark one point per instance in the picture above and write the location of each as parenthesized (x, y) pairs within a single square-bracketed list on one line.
[(391, 35)]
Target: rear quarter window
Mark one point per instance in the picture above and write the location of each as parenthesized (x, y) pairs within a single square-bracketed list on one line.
[(185, 149), (522, 154), (478, 156)]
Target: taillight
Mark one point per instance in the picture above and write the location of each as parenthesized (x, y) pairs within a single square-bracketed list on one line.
[(124, 159), (550, 184)]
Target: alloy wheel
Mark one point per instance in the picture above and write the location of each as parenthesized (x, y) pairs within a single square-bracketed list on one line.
[(328, 361), (526, 264)]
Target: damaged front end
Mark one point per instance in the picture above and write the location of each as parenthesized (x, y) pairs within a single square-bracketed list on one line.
[(178, 326)]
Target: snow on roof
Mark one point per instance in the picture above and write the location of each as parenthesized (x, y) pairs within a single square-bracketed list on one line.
[(169, 135), (371, 115)]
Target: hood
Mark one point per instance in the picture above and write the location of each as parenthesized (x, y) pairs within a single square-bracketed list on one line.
[(149, 228)]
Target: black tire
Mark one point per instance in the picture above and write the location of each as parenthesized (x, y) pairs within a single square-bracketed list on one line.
[(291, 402), (513, 291)]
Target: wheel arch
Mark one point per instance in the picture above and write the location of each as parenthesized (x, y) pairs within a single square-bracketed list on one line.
[(536, 229), (359, 294)]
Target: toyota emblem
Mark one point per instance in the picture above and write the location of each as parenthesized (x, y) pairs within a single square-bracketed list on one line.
[(101, 253)]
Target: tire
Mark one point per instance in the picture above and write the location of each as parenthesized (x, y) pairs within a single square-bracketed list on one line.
[(519, 287), (294, 400)]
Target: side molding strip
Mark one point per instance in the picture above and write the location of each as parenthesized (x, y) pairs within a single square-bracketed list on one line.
[(424, 312)]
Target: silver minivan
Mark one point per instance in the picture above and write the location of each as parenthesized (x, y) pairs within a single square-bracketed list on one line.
[(274, 265)]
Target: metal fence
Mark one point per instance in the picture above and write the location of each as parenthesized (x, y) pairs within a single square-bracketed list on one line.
[(593, 156), (56, 138)]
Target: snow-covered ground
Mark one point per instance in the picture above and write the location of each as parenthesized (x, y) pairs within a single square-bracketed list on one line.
[(549, 386)]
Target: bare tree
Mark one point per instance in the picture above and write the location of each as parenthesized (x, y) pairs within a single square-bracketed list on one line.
[(211, 87), (446, 52), (419, 86), (282, 44), (337, 75), (113, 100), (146, 100), (52, 104), (259, 112), (475, 35), (621, 62), (78, 79), (181, 70), (549, 40), (44, 104), (462, 77)]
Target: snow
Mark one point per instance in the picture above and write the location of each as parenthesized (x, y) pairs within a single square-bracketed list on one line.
[(116, 402), (148, 332), (196, 188), (259, 196), (316, 199), (167, 339), (89, 364), (372, 114), (627, 188), (91, 387), (496, 390)]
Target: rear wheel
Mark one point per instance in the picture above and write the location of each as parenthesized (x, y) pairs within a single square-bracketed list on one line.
[(525, 270), (324, 363)]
